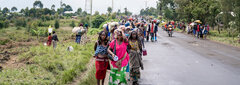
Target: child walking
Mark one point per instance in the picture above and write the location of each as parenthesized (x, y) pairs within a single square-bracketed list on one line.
[(102, 62), (49, 39)]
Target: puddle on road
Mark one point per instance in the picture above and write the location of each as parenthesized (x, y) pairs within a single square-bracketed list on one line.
[(193, 43), (210, 54), (147, 60), (166, 44)]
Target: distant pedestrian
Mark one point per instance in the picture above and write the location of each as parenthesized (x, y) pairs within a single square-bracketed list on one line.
[(79, 34), (49, 41), (54, 40)]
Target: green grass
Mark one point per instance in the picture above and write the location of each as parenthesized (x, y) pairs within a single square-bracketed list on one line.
[(46, 65), (223, 37), (90, 79), (49, 66), (43, 65), (226, 40), (12, 34), (67, 22)]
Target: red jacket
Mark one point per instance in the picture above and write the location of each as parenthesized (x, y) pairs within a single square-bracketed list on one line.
[(198, 28)]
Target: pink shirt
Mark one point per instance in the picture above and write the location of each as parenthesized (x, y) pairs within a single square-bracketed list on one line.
[(120, 51)]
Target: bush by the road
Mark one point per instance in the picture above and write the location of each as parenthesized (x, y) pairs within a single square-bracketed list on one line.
[(4, 24), (97, 21), (56, 25)]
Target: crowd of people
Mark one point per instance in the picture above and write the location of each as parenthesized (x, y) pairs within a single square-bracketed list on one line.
[(196, 28), (120, 48), (52, 39)]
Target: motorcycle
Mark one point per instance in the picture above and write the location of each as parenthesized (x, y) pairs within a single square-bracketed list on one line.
[(170, 32)]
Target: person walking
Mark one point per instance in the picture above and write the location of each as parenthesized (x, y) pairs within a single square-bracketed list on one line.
[(49, 39), (101, 53), (54, 40), (121, 58), (135, 57), (79, 34)]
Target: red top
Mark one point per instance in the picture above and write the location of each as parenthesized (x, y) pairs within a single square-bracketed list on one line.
[(198, 28), (207, 27), (49, 38), (152, 28)]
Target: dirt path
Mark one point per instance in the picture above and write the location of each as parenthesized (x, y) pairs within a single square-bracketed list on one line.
[(84, 74), (10, 53)]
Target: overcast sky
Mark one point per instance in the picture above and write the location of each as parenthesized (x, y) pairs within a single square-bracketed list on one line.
[(98, 5)]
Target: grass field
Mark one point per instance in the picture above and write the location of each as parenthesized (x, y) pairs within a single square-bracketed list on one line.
[(223, 37), (42, 65)]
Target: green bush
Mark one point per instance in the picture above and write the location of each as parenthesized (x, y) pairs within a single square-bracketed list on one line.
[(4, 24), (3, 42), (72, 24), (85, 20), (20, 22), (1, 24), (40, 31), (98, 20), (56, 25), (94, 31)]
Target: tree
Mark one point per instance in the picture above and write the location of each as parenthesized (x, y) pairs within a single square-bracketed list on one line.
[(118, 12), (164, 5), (109, 9), (96, 13), (22, 11), (5, 10), (26, 11), (237, 19), (53, 7), (149, 11), (125, 11), (14, 9), (72, 24), (98, 20), (38, 4), (79, 11), (68, 8), (63, 5), (84, 14)]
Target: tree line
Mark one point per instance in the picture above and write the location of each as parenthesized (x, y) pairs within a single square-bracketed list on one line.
[(212, 12)]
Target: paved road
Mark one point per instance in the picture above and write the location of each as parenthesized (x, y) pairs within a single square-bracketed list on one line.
[(184, 60)]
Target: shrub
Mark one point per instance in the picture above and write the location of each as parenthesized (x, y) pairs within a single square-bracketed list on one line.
[(4, 24), (1, 24), (85, 20), (3, 42), (72, 24), (20, 22), (98, 20), (56, 24)]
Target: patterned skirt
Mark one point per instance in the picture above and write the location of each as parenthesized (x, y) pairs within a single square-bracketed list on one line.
[(134, 74), (117, 77)]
